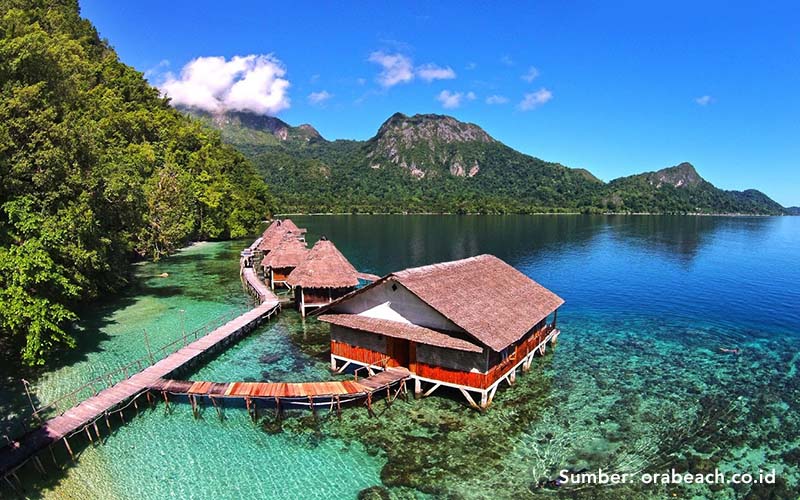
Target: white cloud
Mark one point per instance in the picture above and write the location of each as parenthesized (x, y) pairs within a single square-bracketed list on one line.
[(496, 99), (704, 100), (397, 68), (471, 66), (531, 75), (507, 60), (319, 97), (156, 70), (535, 99), (430, 72), (451, 100), (361, 81), (252, 83)]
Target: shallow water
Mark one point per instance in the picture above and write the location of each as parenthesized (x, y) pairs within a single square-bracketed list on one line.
[(636, 383)]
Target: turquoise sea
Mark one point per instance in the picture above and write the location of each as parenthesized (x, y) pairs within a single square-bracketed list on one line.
[(638, 381)]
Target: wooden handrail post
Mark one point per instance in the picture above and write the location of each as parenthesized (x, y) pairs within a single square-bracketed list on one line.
[(149, 352)]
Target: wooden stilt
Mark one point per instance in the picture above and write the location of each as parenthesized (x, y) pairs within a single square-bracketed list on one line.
[(338, 407), (108, 424), (166, 399), (388, 397), (468, 396), (149, 399), (88, 434), (12, 486), (249, 412), (53, 456), (219, 412), (39, 465), (69, 448), (492, 393), (277, 408), (417, 388), (369, 405), (430, 391), (19, 483), (311, 405), (96, 430), (122, 416), (194, 405), (484, 400)]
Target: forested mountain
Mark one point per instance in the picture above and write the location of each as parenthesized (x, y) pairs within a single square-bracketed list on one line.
[(96, 169), (435, 163), (680, 189)]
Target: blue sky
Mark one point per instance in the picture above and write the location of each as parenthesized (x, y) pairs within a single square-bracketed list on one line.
[(617, 88)]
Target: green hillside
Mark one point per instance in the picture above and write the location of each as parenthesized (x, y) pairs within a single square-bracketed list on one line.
[(97, 170), (434, 163)]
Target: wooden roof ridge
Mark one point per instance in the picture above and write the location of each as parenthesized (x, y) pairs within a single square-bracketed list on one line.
[(290, 252), (397, 329), (486, 297), (324, 267)]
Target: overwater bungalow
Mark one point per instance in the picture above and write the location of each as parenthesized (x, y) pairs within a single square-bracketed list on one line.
[(281, 261), (273, 236), (324, 276), (467, 324)]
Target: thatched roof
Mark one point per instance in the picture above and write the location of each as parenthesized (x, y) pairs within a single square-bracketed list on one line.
[(400, 330), (290, 252), (324, 267), (275, 233), (487, 298)]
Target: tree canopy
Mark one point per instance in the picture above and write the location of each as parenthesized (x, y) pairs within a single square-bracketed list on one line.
[(96, 169)]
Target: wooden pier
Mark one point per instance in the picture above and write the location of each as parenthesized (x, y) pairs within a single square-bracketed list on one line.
[(303, 394), (84, 417), (153, 376)]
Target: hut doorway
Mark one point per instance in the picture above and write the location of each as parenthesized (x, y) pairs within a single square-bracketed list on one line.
[(398, 352)]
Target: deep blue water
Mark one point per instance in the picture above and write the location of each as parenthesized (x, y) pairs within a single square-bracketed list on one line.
[(638, 381)]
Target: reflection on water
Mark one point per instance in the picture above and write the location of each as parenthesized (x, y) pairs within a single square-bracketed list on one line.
[(638, 381)]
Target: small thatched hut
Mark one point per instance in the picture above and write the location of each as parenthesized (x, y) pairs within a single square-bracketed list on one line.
[(284, 259), (324, 276), (467, 324), (274, 234)]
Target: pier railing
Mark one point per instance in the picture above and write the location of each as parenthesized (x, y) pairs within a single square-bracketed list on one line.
[(380, 364), (111, 377)]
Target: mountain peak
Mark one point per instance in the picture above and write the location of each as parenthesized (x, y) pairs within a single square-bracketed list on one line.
[(429, 127), (426, 143), (682, 175), (245, 128)]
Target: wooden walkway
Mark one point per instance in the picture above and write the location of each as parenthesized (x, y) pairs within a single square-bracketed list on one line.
[(84, 416), (257, 287), (284, 390), (87, 413)]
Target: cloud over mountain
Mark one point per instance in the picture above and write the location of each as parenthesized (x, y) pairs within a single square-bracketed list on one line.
[(535, 99), (252, 83), (399, 68)]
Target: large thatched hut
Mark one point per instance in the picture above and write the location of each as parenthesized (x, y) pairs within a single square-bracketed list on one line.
[(467, 324), (322, 277)]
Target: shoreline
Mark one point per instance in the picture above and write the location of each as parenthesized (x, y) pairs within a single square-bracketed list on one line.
[(650, 214)]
